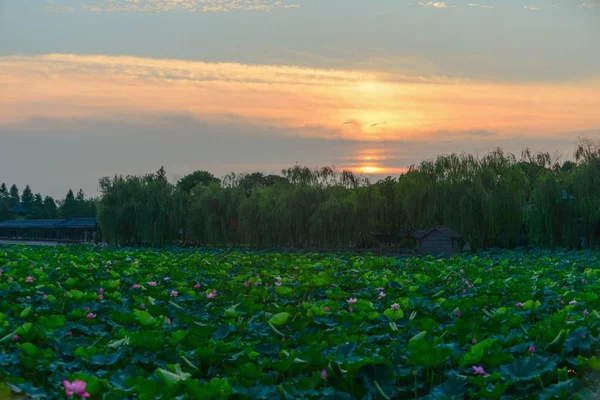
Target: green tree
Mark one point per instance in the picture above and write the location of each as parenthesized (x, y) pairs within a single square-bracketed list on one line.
[(4, 203), (14, 195), (27, 199), (68, 207), (37, 209), (50, 208), (190, 181)]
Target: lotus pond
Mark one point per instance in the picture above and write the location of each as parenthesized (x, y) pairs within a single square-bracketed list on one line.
[(183, 324)]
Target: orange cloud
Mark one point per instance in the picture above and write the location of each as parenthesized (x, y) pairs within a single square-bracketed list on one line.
[(358, 105)]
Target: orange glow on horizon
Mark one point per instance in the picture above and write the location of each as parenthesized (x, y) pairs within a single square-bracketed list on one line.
[(376, 170), (355, 105)]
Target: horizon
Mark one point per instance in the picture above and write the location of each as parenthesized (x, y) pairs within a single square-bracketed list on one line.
[(123, 87)]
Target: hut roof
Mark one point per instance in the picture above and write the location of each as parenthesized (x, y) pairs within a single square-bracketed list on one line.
[(441, 228), (50, 223)]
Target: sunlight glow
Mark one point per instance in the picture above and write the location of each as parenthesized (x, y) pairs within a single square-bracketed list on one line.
[(322, 103)]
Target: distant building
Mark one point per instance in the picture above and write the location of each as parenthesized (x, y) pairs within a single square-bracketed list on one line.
[(74, 230), (438, 240)]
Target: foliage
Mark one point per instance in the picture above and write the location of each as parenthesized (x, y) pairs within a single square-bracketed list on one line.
[(188, 324), (497, 200), (35, 206)]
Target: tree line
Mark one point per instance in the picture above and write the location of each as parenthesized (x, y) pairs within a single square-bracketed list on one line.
[(26, 205), (497, 200)]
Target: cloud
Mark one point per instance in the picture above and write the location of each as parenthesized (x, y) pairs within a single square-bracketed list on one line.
[(477, 5), (168, 5), (355, 105), (433, 4), (588, 4), (531, 8)]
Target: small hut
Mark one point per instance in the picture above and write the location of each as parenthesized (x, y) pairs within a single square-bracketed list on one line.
[(438, 240)]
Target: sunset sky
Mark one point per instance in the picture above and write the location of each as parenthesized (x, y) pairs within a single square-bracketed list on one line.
[(92, 88)]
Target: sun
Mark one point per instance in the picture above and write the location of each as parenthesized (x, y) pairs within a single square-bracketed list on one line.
[(370, 169)]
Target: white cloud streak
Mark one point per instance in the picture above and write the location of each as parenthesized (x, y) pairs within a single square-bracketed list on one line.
[(433, 4), (477, 5), (98, 6)]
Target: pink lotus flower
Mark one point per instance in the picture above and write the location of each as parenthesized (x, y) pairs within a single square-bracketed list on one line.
[(572, 302), (10, 278), (277, 283), (90, 316), (152, 283), (45, 296), (100, 297), (136, 286), (16, 338), (379, 289), (532, 349), (197, 286), (212, 294), (478, 370), (458, 314), (349, 309), (166, 278), (323, 374), (107, 270), (256, 283), (101, 290), (246, 283), (561, 301), (395, 306), (174, 293), (586, 313), (351, 300), (519, 304), (381, 294), (142, 305), (326, 309), (168, 320), (76, 387), (464, 291)]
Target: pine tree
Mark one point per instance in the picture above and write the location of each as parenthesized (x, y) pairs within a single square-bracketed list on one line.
[(50, 208), (69, 206), (14, 195), (27, 198)]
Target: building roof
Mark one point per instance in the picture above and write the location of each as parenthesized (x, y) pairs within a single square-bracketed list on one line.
[(441, 228), (50, 223)]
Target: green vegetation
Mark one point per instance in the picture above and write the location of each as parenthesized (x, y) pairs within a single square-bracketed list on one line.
[(29, 206), (494, 201), (182, 324)]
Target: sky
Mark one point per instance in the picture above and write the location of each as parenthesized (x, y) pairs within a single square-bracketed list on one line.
[(94, 88)]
